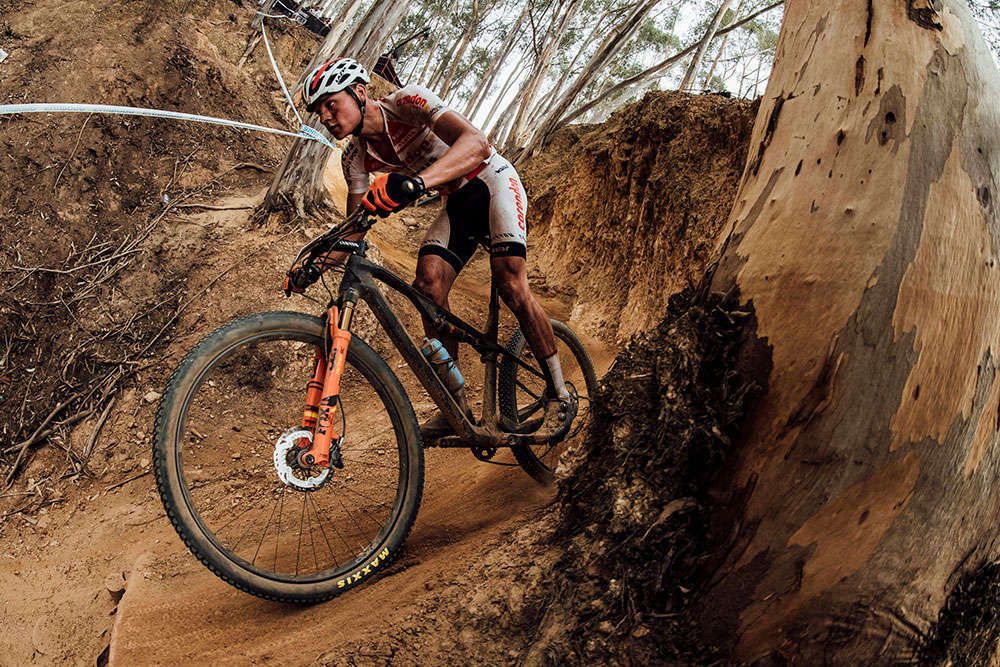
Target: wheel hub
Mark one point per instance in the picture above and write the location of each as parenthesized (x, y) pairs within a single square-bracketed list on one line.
[(286, 458)]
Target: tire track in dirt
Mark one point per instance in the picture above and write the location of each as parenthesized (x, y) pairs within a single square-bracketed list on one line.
[(175, 610)]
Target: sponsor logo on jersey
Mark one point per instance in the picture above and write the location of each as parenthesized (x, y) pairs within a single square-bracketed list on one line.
[(414, 99), (515, 187)]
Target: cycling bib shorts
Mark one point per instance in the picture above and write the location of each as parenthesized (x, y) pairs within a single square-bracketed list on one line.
[(489, 210)]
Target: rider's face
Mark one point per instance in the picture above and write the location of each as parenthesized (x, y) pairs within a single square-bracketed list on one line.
[(339, 113)]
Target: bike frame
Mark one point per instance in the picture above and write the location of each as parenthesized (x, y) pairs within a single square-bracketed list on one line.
[(359, 282)]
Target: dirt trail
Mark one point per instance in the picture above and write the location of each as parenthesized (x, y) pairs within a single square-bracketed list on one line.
[(174, 609), (62, 582)]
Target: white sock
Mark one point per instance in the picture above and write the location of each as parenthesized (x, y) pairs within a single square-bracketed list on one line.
[(555, 370)]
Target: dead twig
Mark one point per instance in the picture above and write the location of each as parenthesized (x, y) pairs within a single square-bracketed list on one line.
[(126, 481), (214, 208), (39, 437), (72, 153), (89, 449)]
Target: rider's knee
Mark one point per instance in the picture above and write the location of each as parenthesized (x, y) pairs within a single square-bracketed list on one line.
[(430, 283), (514, 292)]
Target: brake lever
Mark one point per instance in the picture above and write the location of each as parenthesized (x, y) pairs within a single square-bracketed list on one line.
[(353, 220)]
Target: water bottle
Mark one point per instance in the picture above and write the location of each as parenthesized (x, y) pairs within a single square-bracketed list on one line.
[(445, 366)]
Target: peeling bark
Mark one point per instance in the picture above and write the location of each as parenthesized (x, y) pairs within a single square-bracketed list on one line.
[(861, 237)]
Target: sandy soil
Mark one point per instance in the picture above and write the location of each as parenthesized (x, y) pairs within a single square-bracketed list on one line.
[(126, 588)]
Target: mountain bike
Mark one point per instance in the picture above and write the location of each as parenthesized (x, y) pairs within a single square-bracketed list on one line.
[(300, 504)]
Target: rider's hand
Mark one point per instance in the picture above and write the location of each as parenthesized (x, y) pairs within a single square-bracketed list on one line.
[(301, 277), (393, 192)]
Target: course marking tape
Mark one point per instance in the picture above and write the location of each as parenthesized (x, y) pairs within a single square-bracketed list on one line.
[(277, 75), (305, 132)]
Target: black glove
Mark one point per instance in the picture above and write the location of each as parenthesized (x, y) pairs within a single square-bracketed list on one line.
[(301, 277), (390, 193)]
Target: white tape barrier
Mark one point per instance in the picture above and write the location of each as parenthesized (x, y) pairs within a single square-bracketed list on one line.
[(277, 75), (305, 132)]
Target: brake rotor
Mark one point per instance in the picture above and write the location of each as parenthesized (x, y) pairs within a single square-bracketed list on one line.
[(290, 473)]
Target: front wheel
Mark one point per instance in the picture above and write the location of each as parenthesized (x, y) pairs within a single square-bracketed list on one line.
[(227, 477), (521, 395)]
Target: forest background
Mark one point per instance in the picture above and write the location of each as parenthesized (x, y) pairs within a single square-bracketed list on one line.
[(520, 69)]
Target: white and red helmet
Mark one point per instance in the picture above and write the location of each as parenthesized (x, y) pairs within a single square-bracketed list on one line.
[(332, 77)]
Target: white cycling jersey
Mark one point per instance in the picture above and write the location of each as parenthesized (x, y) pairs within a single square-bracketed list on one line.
[(409, 114), (487, 206)]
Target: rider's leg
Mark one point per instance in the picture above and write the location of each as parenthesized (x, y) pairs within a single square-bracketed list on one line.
[(434, 278), (511, 278)]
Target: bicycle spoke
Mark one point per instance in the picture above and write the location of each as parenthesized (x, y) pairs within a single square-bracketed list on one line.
[(298, 551), (266, 525), (277, 532), (319, 520), (361, 530), (312, 537), (358, 493), (525, 389)]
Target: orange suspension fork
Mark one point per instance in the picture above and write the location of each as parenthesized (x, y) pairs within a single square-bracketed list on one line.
[(319, 452), (314, 392)]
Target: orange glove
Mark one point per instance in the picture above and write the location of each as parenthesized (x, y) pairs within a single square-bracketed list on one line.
[(393, 192)]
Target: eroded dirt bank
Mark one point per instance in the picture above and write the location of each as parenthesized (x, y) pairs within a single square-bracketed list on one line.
[(91, 569), (626, 213)]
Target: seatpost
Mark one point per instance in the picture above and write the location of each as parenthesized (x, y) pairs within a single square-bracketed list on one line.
[(489, 416)]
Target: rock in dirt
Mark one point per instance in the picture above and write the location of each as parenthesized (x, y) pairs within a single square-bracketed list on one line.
[(115, 584), (152, 396)]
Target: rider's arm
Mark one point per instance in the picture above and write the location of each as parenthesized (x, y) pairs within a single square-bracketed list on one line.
[(469, 147)]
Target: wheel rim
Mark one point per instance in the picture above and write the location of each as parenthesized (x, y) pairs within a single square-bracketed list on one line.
[(529, 389), (227, 475)]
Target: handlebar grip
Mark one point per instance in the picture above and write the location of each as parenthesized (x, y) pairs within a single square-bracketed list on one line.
[(410, 187)]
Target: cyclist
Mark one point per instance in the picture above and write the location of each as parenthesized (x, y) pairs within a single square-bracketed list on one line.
[(414, 139)]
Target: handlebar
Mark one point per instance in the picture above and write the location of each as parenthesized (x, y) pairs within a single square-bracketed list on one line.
[(305, 272)]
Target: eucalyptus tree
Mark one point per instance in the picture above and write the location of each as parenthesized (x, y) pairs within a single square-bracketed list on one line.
[(864, 234), (657, 69), (691, 74), (615, 39)]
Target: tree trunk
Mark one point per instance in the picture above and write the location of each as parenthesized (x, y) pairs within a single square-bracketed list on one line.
[(722, 47), (551, 98), (372, 35), (715, 62), (484, 84), (865, 237), (514, 74), (299, 181), (527, 93), (463, 45), (615, 40), (421, 78), (442, 66), (692, 72)]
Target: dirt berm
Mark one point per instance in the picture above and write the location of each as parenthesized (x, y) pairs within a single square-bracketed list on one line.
[(123, 241)]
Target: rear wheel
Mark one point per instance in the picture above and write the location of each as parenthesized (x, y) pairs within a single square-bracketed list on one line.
[(232, 486), (521, 396)]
